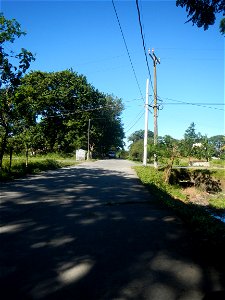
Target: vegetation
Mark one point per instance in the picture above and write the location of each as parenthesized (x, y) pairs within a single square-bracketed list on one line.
[(194, 146), (174, 196), (13, 66), (203, 13), (43, 112), (36, 165)]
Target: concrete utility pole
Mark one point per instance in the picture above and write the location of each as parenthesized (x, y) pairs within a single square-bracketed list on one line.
[(146, 125), (155, 106), (89, 126)]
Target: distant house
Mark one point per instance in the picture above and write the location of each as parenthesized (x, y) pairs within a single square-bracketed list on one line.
[(197, 145)]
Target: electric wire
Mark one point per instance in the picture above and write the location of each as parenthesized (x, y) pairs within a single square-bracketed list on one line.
[(135, 123), (128, 53), (200, 104), (62, 114), (143, 42)]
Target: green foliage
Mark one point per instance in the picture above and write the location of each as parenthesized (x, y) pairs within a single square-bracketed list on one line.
[(11, 74), (198, 218), (222, 26), (217, 201), (35, 166), (64, 102), (136, 150), (170, 150), (13, 66), (48, 112), (139, 135), (203, 13), (155, 179)]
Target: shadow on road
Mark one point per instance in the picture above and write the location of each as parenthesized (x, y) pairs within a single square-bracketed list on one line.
[(62, 237)]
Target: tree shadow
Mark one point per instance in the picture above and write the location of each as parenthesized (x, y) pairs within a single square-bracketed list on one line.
[(90, 233)]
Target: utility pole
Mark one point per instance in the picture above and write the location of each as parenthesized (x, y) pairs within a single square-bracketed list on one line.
[(146, 125), (89, 126), (155, 106)]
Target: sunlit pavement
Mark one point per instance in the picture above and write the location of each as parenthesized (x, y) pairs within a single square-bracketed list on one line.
[(93, 232)]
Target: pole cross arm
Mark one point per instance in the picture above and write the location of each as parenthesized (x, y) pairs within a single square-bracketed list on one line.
[(154, 57)]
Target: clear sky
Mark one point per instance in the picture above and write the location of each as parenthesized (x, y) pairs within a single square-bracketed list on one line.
[(85, 36)]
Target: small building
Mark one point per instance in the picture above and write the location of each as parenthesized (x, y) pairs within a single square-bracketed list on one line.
[(80, 154)]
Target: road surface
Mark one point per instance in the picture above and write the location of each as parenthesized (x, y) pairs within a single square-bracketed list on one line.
[(92, 231)]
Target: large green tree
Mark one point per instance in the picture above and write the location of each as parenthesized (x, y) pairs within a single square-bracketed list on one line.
[(203, 12), (12, 68), (64, 104)]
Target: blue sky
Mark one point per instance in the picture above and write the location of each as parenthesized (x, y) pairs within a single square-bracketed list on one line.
[(85, 36)]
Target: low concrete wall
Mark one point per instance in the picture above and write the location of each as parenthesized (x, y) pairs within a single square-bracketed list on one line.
[(199, 164)]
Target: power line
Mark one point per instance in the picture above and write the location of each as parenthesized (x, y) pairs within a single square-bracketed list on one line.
[(128, 53), (135, 123), (143, 42), (62, 114), (200, 104)]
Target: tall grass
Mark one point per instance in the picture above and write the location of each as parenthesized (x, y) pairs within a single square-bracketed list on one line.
[(35, 165)]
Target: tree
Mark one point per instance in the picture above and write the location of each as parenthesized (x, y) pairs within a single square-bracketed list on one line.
[(217, 142), (63, 103), (136, 150), (203, 12), (138, 135), (190, 138), (12, 68)]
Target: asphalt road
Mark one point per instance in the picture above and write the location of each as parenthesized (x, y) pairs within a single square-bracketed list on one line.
[(93, 232)]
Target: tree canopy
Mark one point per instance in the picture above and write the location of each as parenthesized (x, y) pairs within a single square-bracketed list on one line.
[(139, 134), (203, 12), (62, 103), (51, 111), (12, 68)]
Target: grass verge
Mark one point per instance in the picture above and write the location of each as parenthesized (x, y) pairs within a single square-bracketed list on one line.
[(35, 166), (197, 217)]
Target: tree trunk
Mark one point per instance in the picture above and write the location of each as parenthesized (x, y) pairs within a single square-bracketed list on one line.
[(26, 156), (3, 148), (10, 158), (168, 170)]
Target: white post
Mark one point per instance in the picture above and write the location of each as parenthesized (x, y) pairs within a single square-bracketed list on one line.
[(146, 125), (88, 151)]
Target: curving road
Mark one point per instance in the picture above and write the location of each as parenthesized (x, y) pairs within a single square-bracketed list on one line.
[(93, 232)]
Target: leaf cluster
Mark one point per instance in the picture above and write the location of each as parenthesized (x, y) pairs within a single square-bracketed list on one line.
[(203, 12)]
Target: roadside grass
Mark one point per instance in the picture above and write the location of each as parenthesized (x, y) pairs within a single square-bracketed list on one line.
[(35, 165), (217, 201), (217, 163), (197, 217)]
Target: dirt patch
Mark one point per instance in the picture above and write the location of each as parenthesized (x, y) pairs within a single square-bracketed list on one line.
[(201, 197), (196, 197)]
